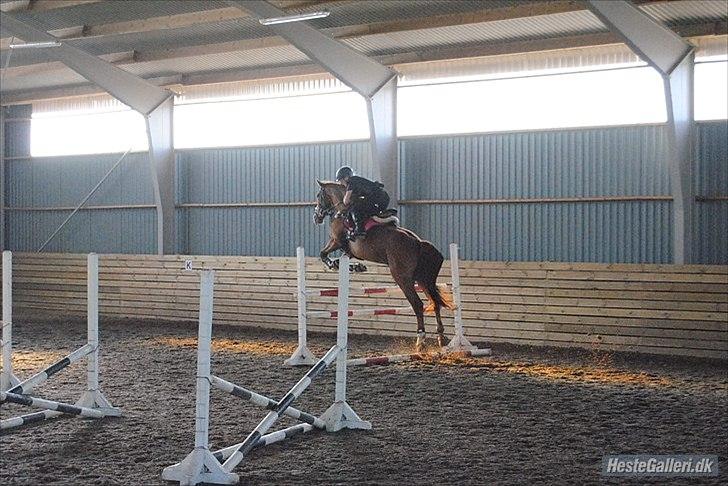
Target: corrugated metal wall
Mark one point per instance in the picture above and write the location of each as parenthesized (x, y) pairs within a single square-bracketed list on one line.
[(711, 185), (36, 185), (597, 164), (268, 175)]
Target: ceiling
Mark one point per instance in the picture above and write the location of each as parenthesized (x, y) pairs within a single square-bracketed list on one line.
[(206, 41)]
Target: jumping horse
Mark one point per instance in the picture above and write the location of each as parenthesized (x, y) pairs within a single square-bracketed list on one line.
[(411, 260)]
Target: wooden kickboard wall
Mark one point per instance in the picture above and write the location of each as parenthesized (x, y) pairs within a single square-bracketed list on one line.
[(663, 309)]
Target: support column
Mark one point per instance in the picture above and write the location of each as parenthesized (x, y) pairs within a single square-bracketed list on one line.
[(161, 153), (674, 59), (679, 92), (374, 81), (382, 110)]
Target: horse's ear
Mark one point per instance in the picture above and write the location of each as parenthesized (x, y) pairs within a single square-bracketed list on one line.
[(319, 183)]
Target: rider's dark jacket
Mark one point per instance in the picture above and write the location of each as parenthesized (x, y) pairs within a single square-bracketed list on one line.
[(368, 198)]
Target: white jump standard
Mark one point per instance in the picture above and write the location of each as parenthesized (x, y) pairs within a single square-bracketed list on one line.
[(201, 465), (7, 377), (92, 403), (459, 344)]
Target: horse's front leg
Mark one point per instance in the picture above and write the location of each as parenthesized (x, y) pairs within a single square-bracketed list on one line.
[(331, 246)]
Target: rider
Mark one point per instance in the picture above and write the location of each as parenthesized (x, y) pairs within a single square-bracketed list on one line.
[(363, 198)]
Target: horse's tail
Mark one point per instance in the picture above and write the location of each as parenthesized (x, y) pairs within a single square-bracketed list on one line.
[(428, 268)]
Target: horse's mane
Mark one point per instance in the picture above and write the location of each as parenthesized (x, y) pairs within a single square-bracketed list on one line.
[(333, 185)]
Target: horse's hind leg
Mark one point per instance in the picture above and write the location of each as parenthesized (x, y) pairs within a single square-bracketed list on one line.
[(407, 285), (441, 340)]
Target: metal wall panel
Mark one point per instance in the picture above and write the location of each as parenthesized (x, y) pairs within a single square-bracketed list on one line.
[(263, 231), (711, 181), (102, 231), (620, 161), (17, 131), (65, 181), (62, 182), (266, 174), (579, 232), (578, 163), (259, 175)]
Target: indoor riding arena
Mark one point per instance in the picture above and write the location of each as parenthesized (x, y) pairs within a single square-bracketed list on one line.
[(412, 242)]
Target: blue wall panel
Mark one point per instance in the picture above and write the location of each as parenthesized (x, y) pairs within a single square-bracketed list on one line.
[(711, 181), (577, 163), (581, 163), (259, 175), (62, 182), (621, 161)]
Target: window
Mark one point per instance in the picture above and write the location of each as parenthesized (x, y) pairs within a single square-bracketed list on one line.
[(316, 118), (61, 133), (617, 94), (711, 90), (613, 97)]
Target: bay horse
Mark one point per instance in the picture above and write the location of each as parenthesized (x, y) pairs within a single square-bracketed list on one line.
[(411, 260)]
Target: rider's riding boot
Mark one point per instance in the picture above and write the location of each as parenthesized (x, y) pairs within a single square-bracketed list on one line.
[(358, 230)]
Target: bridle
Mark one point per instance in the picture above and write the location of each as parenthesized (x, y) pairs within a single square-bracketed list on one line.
[(324, 207)]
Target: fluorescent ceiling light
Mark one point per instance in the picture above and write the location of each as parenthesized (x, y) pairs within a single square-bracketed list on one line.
[(35, 45), (295, 18)]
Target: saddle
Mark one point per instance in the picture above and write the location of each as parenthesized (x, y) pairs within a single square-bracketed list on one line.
[(386, 217)]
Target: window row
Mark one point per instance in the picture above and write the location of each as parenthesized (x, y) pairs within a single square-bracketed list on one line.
[(622, 96)]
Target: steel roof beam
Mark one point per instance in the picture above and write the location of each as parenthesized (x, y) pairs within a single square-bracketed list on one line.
[(674, 59), (160, 23), (41, 5), (151, 101), (519, 47), (375, 82)]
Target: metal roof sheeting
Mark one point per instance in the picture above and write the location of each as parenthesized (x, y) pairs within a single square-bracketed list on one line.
[(343, 13)]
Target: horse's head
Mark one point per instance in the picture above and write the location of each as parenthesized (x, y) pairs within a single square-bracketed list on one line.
[(328, 197)]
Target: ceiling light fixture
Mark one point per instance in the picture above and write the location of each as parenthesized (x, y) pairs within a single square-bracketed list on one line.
[(35, 45), (295, 18)]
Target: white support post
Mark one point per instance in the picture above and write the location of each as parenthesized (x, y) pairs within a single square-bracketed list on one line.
[(459, 342), (200, 465), (92, 397), (302, 355), (7, 377), (340, 415)]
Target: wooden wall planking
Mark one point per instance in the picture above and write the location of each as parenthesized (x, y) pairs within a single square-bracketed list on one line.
[(663, 309)]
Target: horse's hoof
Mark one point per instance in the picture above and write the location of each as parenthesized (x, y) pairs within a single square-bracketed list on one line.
[(357, 267), (441, 340), (420, 344)]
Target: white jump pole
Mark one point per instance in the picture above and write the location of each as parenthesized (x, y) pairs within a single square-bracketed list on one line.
[(459, 342), (200, 465), (340, 415), (92, 397), (92, 402), (7, 377), (302, 355)]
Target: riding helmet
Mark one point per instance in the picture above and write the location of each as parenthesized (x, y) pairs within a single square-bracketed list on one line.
[(344, 172)]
